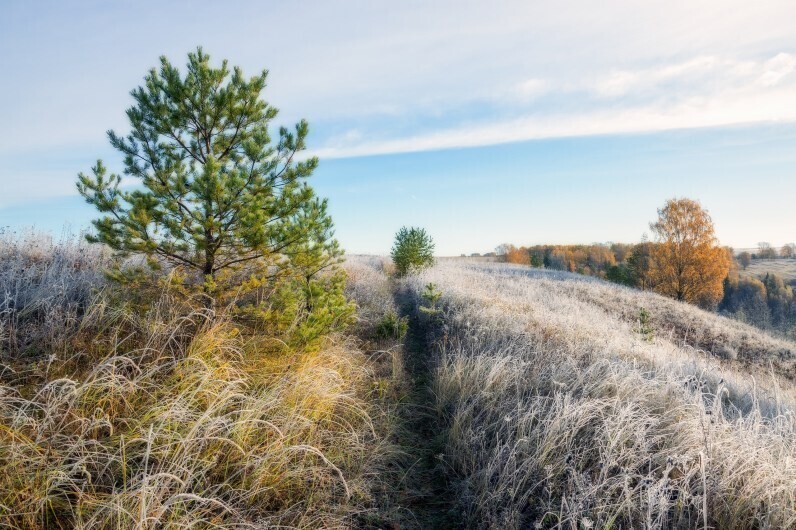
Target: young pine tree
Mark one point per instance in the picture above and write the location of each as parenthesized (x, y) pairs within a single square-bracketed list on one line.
[(412, 250), (215, 197)]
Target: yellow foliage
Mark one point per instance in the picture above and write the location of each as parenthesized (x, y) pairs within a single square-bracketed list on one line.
[(687, 263), (518, 255)]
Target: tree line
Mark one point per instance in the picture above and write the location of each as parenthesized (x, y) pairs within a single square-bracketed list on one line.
[(683, 261), (766, 251)]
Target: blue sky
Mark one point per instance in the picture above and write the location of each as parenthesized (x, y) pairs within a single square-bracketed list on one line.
[(483, 122)]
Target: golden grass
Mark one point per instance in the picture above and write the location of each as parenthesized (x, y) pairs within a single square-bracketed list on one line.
[(175, 419)]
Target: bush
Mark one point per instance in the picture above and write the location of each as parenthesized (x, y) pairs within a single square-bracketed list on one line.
[(412, 251), (431, 296), (391, 326), (645, 328)]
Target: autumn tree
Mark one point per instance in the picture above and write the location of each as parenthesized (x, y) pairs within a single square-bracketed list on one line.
[(745, 259), (686, 263), (621, 251), (788, 251), (518, 255)]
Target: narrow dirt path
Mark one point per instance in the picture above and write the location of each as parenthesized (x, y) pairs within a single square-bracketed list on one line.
[(412, 489), (425, 491)]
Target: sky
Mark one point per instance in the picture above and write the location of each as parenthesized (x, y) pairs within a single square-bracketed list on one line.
[(484, 122)]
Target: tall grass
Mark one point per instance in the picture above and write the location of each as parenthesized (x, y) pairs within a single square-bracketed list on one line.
[(173, 417), (368, 285), (45, 287), (562, 414)]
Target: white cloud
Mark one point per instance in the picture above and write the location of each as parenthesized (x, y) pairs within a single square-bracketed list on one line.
[(530, 89), (443, 74), (705, 91), (777, 68), (624, 82), (616, 84), (362, 58)]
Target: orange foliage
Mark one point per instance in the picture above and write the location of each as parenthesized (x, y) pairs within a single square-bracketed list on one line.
[(687, 263), (518, 255), (585, 259)]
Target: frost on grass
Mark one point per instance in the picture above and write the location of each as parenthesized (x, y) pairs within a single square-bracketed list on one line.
[(167, 418), (560, 413), (45, 288)]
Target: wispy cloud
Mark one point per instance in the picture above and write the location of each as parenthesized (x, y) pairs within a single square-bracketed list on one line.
[(415, 76), (530, 89), (705, 91)]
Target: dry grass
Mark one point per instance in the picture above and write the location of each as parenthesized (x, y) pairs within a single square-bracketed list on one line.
[(45, 286), (170, 418), (560, 414), (784, 268), (558, 410), (368, 285), (683, 324)]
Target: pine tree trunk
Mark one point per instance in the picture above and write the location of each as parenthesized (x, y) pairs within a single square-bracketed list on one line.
[(208, 273)]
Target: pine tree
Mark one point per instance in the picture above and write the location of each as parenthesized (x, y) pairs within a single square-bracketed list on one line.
[(412, 251), (216, 197)]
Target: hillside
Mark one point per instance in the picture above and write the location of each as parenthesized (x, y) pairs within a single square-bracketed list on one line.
[(123, 411), (784, 268), (520, 398), (562, 409)]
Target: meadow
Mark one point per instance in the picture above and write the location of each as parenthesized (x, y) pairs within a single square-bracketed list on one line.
[(784, 268), (564, 407), (517, 398), (172, 416)]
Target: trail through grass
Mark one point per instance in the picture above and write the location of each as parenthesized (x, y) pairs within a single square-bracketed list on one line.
[(425, 489), (544, 400), (416, 492)]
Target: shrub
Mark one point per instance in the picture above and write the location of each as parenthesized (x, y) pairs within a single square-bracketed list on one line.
[(391, 326), (412, 251), (645, 328), (431, 296)]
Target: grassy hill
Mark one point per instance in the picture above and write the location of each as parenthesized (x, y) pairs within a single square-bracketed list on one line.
[(784, 268), (114, 416), (564, 407), (521, 398)]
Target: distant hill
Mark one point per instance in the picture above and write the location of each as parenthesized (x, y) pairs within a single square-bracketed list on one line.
[(784, 268)]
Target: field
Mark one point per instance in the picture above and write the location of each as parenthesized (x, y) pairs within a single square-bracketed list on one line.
[(113, 416), (784, 268), (503, 397), (564, 407)]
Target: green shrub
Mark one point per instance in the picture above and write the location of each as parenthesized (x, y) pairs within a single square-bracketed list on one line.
[(391, 326), (299, 311), (412, 251), (645, 328), (431, 296)]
